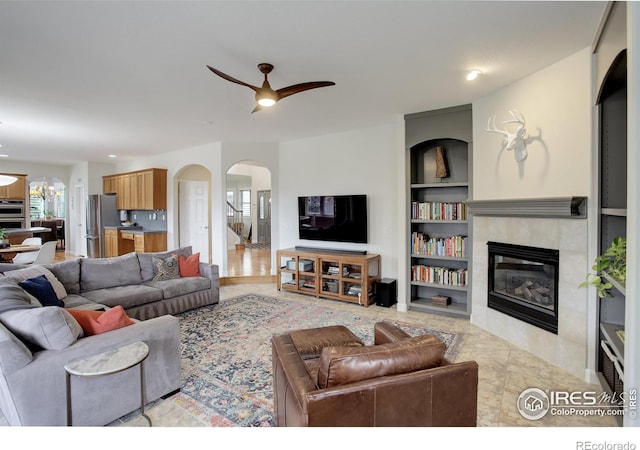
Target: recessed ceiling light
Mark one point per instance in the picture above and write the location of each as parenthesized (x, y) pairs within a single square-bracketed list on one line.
[(113, 156), (473, 74), (4, 156)]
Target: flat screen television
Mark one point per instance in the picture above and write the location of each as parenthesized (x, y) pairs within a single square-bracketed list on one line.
[(337, 218)]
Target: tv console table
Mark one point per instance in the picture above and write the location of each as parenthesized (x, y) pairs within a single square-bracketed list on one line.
[(338, 276)]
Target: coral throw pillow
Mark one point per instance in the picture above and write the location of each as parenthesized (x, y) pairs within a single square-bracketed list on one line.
[(96, 322), (189, 266)]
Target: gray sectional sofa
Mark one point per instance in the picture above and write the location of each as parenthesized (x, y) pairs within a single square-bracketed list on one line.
[(37, 341)]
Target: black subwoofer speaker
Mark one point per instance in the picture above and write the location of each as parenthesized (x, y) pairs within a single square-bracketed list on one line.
[(386, 292)]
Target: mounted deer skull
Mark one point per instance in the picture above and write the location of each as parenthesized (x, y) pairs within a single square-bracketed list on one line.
[(512, 141)]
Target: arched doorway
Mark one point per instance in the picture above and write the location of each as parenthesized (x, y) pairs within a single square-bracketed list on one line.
[(248, 210), (194, 215)]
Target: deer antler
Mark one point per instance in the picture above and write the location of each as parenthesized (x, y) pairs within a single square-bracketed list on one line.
[(491, 127), (517, 117)]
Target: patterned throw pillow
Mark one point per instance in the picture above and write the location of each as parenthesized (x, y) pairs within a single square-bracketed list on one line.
[(166, 269)]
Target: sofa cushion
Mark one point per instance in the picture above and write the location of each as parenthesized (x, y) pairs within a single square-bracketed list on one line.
[(147, 269), (41, 289), (342, 365), (13, 297), (166, 268), (49, 327), (96, 322), (68, 273), (189, 265), (101, 273), (181, 286), (76, 301), (127, 296), (35, 270)]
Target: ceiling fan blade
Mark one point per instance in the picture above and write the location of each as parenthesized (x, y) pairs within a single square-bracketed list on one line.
[(294, 89), (230, 78)]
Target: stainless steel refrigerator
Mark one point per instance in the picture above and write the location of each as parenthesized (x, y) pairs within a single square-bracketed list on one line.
[(101, 212)]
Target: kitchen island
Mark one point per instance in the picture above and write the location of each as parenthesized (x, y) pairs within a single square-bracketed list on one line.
[(17, 235)]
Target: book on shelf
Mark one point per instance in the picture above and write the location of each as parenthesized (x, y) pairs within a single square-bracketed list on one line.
[(439, 275), (454, 246), (438, 211), (441, 300)]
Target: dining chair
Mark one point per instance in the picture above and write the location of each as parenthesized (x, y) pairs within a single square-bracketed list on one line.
[(28, 257), (46, 255)]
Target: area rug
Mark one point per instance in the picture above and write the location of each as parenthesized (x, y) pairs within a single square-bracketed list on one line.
[(226, 354)]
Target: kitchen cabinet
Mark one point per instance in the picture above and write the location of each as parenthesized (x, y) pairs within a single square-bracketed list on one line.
[(139, 190), (15, 191), (150, 242), (110, 243)]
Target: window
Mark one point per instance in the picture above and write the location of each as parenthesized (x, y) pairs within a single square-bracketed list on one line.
[(47, 198), (245, 207)]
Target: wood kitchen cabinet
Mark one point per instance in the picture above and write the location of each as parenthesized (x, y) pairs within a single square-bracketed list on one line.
[(139, 190), (109, 185), (110, 243), (150, 242), (15, 191)]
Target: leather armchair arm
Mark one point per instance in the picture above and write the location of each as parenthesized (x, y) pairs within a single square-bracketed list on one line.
[(385, 332), (292, 382)]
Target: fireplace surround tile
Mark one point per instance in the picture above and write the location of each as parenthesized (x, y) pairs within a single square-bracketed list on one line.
[(568, 348)]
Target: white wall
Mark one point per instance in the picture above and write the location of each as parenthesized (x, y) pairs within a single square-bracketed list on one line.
[(356, 162), (557, 105)]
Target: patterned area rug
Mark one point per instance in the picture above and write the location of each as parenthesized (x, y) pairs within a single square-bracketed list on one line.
[(226, 354)]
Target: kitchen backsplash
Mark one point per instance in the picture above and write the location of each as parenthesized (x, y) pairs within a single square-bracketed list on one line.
[(149, 220)]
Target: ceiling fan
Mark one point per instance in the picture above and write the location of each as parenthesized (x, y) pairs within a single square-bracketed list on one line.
[(265, 96)]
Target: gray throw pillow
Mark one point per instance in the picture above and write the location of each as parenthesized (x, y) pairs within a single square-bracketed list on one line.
[(49, 327), (13, 297), (34, 271), (166, 269)]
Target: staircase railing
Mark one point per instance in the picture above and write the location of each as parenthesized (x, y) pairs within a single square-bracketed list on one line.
[(235, 221)]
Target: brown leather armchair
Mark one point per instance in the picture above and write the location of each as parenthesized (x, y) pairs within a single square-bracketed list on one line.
[(327, 377)]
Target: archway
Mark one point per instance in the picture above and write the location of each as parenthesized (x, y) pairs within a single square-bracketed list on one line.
[(194, 214), (248, 211)]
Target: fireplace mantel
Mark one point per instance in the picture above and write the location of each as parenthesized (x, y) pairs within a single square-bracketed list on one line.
[(550, 207)]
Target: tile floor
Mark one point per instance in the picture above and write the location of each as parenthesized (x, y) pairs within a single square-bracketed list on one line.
[(505, 371)]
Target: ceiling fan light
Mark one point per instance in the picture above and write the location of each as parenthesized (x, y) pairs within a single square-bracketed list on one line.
[(266, 102)]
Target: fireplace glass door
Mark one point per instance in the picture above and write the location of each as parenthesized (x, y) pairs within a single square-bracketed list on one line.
[(523, 283)]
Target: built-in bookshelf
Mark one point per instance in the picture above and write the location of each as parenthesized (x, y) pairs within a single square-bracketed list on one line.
[(439, 230), (611, 79)]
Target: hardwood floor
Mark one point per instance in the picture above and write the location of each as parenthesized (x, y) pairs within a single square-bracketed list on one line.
[(248, 266)]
